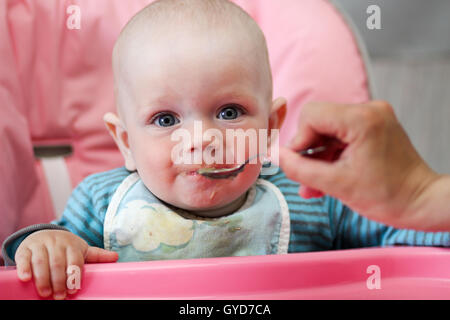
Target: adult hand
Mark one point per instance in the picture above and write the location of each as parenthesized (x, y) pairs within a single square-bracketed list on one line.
[(379, 173)]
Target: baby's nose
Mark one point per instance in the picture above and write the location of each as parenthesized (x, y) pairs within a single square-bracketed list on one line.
[(206, 141), (205, 144)]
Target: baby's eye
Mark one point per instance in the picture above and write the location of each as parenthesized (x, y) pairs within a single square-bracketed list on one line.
[(165, 120), (230, 112)]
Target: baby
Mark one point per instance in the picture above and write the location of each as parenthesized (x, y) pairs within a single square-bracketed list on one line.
[(178, 63)]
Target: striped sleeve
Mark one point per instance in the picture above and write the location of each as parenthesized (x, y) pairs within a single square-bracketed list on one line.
[(86, 208), (309, 219), (84, 213), (326, 223), (355, 231)]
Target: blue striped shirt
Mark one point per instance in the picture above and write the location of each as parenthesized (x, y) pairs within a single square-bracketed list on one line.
[(316, 224)]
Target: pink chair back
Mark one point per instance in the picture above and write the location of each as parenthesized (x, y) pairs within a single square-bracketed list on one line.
[(56, 84)]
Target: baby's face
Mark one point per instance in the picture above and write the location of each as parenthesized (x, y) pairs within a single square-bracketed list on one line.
[(212, 86)]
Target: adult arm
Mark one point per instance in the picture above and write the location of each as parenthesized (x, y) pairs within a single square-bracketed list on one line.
[(379, 173)]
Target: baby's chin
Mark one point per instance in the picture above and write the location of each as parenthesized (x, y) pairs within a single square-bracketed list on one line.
[(216, 204), (209, 196), (202, 194), (200, 204)]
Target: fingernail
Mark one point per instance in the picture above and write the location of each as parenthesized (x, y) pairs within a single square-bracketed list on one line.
[(45, 292), (72, 291), (290, 144), (59, 296), (24, 275), (293, 142)]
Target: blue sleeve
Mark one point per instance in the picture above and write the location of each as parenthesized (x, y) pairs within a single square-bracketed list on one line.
[(352, 230), (309, 219), (11, 243), (81, 217), (84, 213)]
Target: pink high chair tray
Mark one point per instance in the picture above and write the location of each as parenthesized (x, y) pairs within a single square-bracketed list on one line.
[(375, 273)]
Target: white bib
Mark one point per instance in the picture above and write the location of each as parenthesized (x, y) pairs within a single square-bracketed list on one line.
[(140, 227)]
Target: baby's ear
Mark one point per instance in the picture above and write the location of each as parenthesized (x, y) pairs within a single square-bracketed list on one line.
[(120, 136), (277, 113), (276, 118)]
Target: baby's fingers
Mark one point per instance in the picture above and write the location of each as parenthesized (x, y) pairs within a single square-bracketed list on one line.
[(98, 255), (57, 260), (75, 262), (41, 271), (23, 263)]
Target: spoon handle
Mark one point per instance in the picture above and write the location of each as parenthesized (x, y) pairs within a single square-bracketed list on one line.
[(311, 151)]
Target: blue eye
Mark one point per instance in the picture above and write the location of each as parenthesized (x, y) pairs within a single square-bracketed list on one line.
[(230, 112), (165, 120)]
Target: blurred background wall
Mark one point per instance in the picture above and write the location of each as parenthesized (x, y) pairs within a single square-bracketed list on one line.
[(411, 66)]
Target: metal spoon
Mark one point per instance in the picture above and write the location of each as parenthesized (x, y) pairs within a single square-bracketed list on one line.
[(224, 173)]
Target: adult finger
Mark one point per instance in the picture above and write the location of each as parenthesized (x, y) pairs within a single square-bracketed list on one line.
[(308, 193), (324, 119), (315, 174)]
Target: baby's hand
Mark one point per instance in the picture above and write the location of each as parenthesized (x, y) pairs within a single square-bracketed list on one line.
[(45, 255)]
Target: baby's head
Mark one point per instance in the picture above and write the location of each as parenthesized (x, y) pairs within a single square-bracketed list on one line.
[(191, 65)]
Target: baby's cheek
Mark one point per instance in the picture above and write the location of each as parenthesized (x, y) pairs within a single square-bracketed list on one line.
[(154, 164), (249, 176), (155, 155)]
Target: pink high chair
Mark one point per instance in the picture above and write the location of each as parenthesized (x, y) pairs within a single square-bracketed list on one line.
[(55, 86)]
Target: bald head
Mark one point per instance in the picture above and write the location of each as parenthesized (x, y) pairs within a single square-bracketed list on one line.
[(166, 25)]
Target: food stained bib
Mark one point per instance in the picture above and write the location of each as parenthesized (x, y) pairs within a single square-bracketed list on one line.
[(140, 227)]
